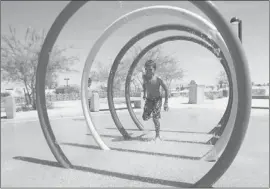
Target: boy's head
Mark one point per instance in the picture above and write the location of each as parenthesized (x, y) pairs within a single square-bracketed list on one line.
[(150, 67)]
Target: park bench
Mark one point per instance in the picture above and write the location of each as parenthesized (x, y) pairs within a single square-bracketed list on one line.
[(95, 102)]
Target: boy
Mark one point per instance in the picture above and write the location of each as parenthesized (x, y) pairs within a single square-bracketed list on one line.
[(151, 89)]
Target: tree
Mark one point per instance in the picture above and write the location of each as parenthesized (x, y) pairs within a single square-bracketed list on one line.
[(51, 80), (100, 72), (20, 59), (168, 68), (222, 79)]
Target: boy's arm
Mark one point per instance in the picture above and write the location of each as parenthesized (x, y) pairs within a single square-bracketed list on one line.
[(144, 87), (165, 89)]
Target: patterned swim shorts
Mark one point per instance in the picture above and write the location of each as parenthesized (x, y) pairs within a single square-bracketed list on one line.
[(152, 106)]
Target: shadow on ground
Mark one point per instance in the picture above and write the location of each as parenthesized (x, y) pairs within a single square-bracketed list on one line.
[(133, 151), (117, 138), (107, 173), (188, 132)]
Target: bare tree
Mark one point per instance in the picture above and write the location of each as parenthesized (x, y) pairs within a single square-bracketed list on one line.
[(222, 79), (168, 68), (100, 73), (20, 58)]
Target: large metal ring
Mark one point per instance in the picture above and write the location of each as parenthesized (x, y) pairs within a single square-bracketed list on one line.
[(210, 47), (126, 48), (174, 11), (241, 76), (215, 152)]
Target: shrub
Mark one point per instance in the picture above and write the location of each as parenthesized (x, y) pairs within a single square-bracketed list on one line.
[(49, 104), (5, 94), (212, 95), (28, 107), (18, 109), (67, 90), (24, 108), (184, 93), (258, 92)]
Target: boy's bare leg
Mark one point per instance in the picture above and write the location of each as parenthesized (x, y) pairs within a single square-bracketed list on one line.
[(157, 128)]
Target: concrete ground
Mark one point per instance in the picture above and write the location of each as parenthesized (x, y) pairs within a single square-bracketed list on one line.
[(175, 162), (74, 108)]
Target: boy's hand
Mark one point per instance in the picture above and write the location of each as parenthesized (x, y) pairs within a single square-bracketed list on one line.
[(166, 107), (144, 97)]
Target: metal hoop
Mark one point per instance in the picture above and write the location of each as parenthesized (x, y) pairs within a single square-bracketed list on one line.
[(123, 51), (243, 88), (202, 23), (242, 77), (163, 40), (219, 146)]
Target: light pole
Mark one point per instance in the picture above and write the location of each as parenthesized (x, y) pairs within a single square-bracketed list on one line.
[(217, 131), (236, 20)]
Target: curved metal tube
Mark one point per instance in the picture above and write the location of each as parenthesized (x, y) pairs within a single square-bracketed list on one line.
[(236, 53), (164, 40), (244, 94), (217, 149), (173, 11), (43, 61), (123, 51)]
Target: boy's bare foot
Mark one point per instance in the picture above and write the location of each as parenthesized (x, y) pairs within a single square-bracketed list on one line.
[(158, 139)]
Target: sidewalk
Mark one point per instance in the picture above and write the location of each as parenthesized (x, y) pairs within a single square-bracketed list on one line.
[(27, 159), (61, 109), (74, 109)]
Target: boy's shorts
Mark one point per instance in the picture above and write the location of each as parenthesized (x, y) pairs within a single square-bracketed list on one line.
[(152, 106)]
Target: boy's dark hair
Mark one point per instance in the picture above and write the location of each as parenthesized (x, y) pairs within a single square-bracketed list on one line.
[(150, 63)]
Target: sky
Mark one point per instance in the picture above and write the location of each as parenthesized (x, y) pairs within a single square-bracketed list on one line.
[(83, 29)]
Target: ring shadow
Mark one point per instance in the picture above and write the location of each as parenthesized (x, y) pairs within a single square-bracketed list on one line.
[(134, 151), (188, 132), (107, 173), (140, 138)]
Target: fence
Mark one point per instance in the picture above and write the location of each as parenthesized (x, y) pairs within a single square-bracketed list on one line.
[(75, 96)]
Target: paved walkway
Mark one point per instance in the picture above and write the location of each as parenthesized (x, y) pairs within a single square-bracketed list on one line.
[(175, 162), (73, 108)]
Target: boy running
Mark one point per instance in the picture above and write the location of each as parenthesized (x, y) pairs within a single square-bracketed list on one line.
[(152, 96)]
